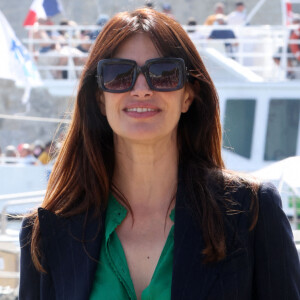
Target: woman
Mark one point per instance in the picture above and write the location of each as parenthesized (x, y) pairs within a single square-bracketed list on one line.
[(145, 144)]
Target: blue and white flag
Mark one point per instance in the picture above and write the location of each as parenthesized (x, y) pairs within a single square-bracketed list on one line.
[(15, 61)]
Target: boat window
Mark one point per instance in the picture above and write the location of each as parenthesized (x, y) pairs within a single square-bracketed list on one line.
[(282, 130), (238, 126)]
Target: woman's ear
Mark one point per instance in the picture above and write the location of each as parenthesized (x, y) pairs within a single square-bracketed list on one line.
[(188, 98), (101, 103)]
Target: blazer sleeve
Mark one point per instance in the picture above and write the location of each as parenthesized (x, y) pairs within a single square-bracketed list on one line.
[(29, 277), (276, 261), (34, 285)]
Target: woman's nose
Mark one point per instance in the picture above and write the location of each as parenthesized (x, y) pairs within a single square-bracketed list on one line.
[(141, 88)]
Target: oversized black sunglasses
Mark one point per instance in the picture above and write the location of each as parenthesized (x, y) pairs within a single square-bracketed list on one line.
[(164, 74)]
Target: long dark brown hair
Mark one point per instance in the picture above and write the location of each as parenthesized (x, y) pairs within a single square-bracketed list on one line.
[(82, 175)]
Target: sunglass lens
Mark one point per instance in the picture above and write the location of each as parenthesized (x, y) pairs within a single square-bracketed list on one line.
[(164, 75), (117, 77)]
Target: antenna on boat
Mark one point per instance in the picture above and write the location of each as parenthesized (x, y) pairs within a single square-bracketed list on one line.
[(254, 10)]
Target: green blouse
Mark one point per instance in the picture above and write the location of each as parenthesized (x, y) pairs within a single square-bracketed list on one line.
[(112, 279)]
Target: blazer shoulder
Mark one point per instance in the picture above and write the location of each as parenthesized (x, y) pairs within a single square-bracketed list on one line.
[(268, 196), (53, 226), (239, 190), (264, 194), (26, 231), (50, 223)]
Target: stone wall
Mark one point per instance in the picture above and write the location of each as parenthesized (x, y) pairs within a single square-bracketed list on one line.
[(40, 104)]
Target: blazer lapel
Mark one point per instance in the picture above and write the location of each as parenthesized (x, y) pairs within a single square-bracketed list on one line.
[(71, 262), (191, 278)]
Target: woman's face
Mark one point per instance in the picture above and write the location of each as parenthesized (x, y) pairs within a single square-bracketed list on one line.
[(143, 115)]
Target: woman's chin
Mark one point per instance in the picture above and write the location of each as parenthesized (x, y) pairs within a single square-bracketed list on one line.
[(143, 136)]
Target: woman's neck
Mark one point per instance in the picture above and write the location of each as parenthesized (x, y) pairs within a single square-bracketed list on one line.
[(146, 174)]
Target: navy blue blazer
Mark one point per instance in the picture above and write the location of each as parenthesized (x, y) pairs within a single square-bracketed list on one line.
[(262, 264)]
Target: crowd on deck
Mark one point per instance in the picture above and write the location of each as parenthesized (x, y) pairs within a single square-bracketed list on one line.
[(37, 153), (53, 47)]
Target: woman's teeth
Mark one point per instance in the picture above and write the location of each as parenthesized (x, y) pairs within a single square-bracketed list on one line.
[(140, 109)]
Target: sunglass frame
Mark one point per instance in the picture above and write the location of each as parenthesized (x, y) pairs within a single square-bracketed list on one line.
[(144, 70)]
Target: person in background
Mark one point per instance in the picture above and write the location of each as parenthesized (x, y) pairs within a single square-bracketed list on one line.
[(139, 204), (219, 8), (293, 50), (101, 21), (84, 47), (48, 154), (167, 10), (149, 4), (68, 33), (49, 49), (192, 23), (194, 34), (51, 39), (26, 153), (85, 44), (224, 34), (38, 148), (11, 152), (71, 56), (295, 36), (238, 16)]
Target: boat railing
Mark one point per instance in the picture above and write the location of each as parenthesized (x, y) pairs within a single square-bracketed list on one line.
[(13, 161), (9, 204), (262, 49), (9, 201), (9, 240)]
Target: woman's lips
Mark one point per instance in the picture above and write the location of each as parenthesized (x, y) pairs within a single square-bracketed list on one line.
[(141, 111)]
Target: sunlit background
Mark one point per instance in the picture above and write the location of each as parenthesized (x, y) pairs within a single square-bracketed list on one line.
[(251, 57)]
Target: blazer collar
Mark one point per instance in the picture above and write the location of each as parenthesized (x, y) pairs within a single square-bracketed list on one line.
[(72, 262), (191, 278)]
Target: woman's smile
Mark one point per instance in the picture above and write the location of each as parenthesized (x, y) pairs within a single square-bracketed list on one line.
[(141, 110)]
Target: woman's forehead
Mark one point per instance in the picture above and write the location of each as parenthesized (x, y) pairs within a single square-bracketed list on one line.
[(138, 47)]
